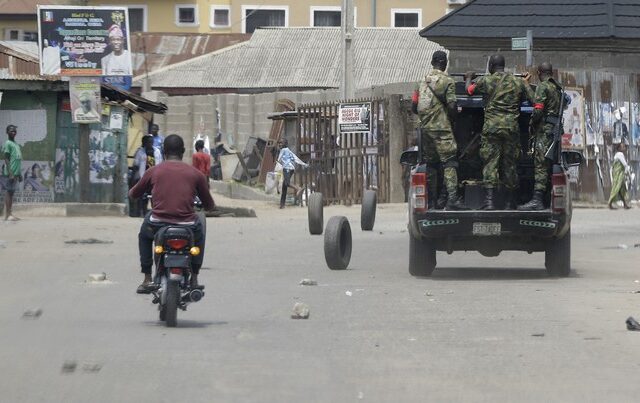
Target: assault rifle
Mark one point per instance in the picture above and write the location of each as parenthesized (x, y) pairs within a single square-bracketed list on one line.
[(556, 142)]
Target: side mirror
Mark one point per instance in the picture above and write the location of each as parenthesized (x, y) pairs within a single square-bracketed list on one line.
[(572, 158), (409, 157)]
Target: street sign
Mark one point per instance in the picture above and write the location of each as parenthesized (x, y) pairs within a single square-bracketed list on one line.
[(519, 43)]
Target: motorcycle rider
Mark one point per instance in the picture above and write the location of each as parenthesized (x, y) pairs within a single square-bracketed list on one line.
[(173, 186)]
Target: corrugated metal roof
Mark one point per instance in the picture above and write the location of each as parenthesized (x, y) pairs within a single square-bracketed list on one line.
[(19, 61), (163, 49), (303, 58), (552, 19)]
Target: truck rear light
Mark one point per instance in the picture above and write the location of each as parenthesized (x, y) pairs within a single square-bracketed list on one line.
[(559, 192), (419, 196)]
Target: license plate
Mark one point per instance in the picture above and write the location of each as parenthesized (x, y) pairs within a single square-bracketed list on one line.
[(487, 228)]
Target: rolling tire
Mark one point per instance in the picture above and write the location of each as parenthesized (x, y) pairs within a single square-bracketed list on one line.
[(316, 215), (557, 256), (163, 313), (368, 210), (422, 257), (173, 295), (337, 243)]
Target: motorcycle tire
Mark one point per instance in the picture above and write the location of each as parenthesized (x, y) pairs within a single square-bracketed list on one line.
[(173, 295), (163, 313)]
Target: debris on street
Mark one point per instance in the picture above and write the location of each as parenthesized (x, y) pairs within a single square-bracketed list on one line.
[(632, 324), (69, 367), (300, 311), (91, 368), (308, 281), (348, 293), (88, 241), (537, 335), (32, 313), (96, 278)]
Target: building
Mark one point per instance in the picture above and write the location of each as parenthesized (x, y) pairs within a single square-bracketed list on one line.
[(18, 18), (233, 16)]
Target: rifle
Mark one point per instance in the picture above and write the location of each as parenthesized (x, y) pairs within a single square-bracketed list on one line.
[(557, 136), (469, 145)]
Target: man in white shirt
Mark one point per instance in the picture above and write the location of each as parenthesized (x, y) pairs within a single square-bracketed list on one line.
[(118, 62), (50, 58)]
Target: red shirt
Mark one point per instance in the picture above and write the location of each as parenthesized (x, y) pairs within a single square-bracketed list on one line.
[(202, 162), (173, 186)]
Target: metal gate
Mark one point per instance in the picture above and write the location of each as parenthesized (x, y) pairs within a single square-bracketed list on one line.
[(342, 166)]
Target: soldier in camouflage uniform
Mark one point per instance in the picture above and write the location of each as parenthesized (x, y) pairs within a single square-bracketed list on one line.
[(435, 103), (500, 141), (546, 112)]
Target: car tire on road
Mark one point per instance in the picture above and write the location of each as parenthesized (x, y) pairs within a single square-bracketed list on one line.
[(315, 211), (368, 210), (557, 256), (422, 257), (337, 243)]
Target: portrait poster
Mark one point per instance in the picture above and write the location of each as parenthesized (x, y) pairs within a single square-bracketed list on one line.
[(573, 120), (635, 123), (606, 117), (620, 133), (84, 93), (84, 41)]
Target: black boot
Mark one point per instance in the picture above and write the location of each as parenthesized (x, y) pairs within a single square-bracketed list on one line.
[(488, 200), (454, 202), (509, 200), (536, 202)]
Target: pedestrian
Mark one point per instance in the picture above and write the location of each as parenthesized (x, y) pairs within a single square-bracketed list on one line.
[(500, 141), (435, 103), (158, 140), (11, 170), (145, 157), (288, 159), (202, 160), (545, 118), (620, 171)]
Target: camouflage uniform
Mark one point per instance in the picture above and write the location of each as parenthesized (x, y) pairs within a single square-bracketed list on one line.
[(438, 143), (500, 148), (546, 109)]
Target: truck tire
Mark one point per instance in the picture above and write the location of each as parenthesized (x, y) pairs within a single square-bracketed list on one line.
[(557, 256), (337, 243), (315, 211), (422, 257), (368, 210)]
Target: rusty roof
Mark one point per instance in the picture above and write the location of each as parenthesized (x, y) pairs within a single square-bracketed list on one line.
[(163, 49), (19, 61), (28, 7)]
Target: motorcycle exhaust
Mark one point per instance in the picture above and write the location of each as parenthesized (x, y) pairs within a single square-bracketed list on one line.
[(193, 296)]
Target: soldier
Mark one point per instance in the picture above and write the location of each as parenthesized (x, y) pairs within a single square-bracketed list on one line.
[(546, 112), (435, 103), (500, 141)]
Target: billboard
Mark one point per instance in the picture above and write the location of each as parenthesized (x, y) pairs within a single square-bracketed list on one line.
[(84, 41)]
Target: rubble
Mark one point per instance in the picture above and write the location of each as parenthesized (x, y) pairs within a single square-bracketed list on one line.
[(308, 281), (300, 311), (96, 278), (69, 367), (32, 313)]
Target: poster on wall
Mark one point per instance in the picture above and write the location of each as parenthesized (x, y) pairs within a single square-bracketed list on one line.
[(36, 185), (590, 132), (355, 117), (66, 170), (635, 123), (620, 132), (102, 156), (573, 119), (606, 117), (84, 41), (85, 99)]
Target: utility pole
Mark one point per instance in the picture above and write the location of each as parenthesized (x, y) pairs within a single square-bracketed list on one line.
[(346, 84), (529, 48)]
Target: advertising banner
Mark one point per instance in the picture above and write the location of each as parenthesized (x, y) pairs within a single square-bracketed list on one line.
[(355, 117), (85, 99), (84, 41)]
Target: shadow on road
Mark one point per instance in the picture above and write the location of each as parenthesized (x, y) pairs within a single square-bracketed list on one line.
[(491, 273), (188, 324)]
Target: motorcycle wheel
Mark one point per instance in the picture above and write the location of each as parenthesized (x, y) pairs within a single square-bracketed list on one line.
[(173, 295), (163, 312)]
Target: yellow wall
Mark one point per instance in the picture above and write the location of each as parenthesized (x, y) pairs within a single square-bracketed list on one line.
[(24, 25)]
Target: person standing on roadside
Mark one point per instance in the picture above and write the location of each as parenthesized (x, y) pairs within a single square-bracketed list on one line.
[(158, 140), (11, 170), (201, 160), (288, 159)]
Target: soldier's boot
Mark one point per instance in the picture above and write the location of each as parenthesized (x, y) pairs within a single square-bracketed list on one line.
[(488, 200), (509, 200), (536, 202), (454, 202)]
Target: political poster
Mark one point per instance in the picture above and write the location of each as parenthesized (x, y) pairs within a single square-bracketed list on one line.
[(355, 117), (85, 99), (84, 41), (573, 120)]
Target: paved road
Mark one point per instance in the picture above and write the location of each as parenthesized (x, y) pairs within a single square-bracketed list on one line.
[(482, 329)]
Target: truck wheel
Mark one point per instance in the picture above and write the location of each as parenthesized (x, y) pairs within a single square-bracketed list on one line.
[(422, 257), (315, 211), (368, 211), (557, 257), (337, 243)]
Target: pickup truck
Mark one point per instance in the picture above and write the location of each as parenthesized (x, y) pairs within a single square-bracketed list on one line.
[(488, 232)]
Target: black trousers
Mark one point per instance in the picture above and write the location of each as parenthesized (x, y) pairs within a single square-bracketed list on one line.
[(287, 174), (145, 243)]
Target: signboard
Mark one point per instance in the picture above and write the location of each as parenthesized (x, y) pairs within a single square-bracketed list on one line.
[(519, 43), (85, 99), (122, 82), (84, 41), (355, 117)]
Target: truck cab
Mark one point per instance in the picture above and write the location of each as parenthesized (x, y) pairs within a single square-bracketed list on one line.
[(433, 230)]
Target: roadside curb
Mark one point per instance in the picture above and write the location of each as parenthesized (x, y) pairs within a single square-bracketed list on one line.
[(235, 190)]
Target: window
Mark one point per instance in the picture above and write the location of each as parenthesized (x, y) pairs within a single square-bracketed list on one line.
[(326, 16), (137, 18), (186, 15), (264, 16), (30, 36), (20, 35), (406, 18), (220, 17)]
